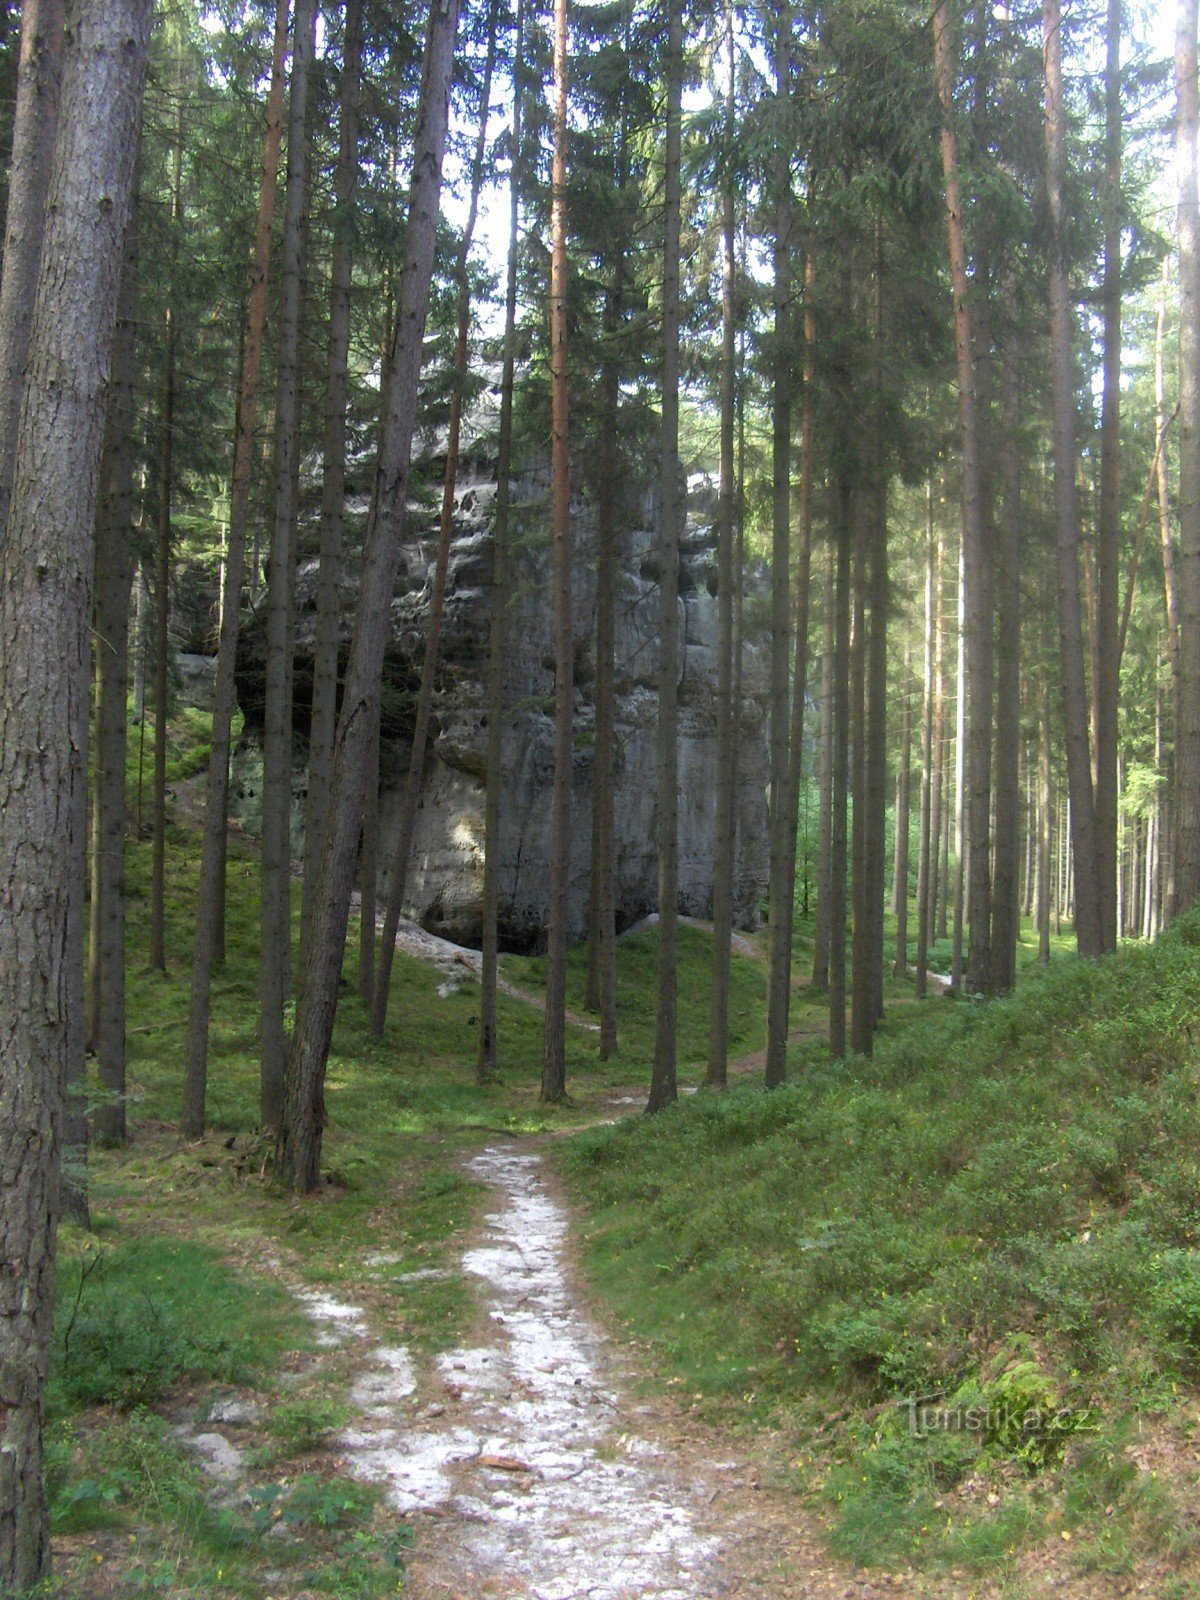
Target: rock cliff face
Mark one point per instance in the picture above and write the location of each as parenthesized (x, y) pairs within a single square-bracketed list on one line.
[(446, 876)]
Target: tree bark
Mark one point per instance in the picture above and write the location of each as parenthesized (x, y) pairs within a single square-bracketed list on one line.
[(46, 568), (274, 971), (844, 539), (210, 902), (781, 886), (925, 864), (663, 1088), (113, 581), (1106, 648), (724, 828), (437, 606), (333, 480), (1006, 886), (299, 1148), (486, 1063), (1185, 831), (820, 969), (1088, 930), (554, 1045), (976, 555), (903, 785), (35, 121)]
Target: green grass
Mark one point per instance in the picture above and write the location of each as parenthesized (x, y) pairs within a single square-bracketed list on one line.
[(1023, 1171)]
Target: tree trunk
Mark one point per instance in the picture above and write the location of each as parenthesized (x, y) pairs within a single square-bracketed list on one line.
[(925, 863), (1006, 887), (724, 840), (333, 481), (1106, 649), (113, 581), (960, 779), (903, 783), (844, 540), (210, 902), (781, 886), (299, 1148), (46, 566), (862, 1021), (275, 954), (1088, 930), (938, 864), (554, 1047), (663, 1090), (489, 974), (976, 558), (820, 970), (35, 120), (1185, 830), (437, 606), (1046, 823)]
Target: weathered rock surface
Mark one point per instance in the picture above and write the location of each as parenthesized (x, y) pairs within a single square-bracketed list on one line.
[(446, 876)]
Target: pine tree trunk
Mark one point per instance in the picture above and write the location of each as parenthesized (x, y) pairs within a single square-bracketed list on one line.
[(113, 581), (210, 902), (820, 970), (554, 1045), (46, 567), (844, 540), (903, 784), (1106, 648), (976, 558), (1006, 887), (861, 1019), (162, 614), (35, 121), (925, 860), (486, 1063), (938, 857), (1044, 832), (275, 954), (724, 841), (1088, 929), (663, 1089), (299, 1148), (333, 481), (958, 864), (437, 605), (781, 885)]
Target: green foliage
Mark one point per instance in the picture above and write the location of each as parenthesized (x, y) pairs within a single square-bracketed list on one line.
[(134, 1321), (305, 1424)]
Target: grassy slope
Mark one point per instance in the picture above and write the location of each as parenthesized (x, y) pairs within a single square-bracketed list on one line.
[(1003, 1190)]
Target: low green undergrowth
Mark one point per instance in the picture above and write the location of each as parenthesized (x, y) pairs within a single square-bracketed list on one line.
[(1000, 1209)]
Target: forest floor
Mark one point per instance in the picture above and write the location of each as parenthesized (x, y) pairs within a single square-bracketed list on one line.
[(452, 1374)]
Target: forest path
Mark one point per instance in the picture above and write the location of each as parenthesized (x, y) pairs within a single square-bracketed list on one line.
[(535, 1465)]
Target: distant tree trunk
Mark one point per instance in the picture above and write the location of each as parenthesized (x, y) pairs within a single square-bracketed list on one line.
[(1088, 930), (820, 970), (333, 482), (487, 1059), (298, 1154), (861, 1017), (437, 606), (844, 540), (959, 864), (724, 841), (46, 565), (162, 568), (35, 120), (368, 871), (781, 886), (1005, 887), (1045, 824), (1164, 872), (902, 821), (875, 754), (976, 561), (554, 1069), (1106, 648), (925, 863), (663, 1090), (1185, 830), (210, 903), (275, 954), (113, 580), (602, 931)]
